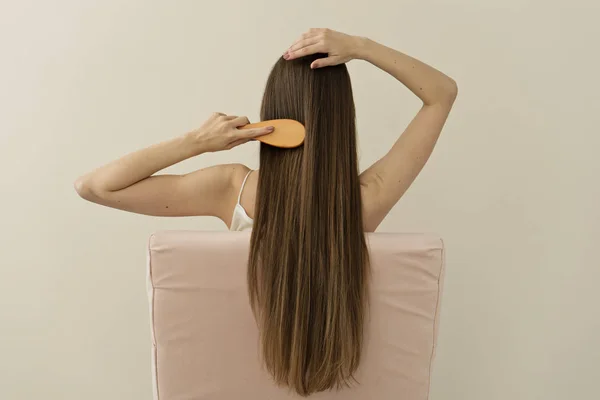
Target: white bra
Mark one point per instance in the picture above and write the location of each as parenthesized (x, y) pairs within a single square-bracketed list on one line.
[(240, 220)]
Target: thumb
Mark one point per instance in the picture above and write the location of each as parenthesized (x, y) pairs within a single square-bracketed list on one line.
[(325, 62)]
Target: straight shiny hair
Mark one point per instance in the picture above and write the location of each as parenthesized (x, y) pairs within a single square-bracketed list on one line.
[(308, 263)]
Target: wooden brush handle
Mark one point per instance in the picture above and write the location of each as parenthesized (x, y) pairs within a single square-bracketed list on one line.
[(287, 133)]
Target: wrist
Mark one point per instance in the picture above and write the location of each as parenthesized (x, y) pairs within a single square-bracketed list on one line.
[(193, 142), (362, 47)]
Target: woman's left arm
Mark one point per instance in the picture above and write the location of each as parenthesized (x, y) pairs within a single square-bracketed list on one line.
[(129, 183)]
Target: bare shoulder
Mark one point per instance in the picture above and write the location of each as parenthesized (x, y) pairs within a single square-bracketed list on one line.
[(236, 176), (217, 188), (237, 172), (225, 176), (231, 176)]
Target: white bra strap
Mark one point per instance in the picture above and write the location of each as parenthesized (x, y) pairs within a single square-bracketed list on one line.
[(243, 184)]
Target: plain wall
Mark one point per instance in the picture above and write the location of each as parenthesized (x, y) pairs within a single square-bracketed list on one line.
[(512, 186)]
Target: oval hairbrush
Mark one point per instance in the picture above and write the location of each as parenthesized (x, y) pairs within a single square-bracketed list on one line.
[(287, 134)]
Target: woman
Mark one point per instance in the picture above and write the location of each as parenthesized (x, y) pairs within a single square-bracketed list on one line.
[(308, 207)]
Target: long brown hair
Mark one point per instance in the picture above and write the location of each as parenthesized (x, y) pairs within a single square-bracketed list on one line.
[(308, 262)]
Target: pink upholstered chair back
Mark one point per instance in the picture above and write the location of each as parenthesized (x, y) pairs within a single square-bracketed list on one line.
[(205, 340)]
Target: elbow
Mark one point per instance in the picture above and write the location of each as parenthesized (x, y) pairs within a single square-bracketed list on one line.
[(83, 188), (447, 92), (444, 94), (450, 91)]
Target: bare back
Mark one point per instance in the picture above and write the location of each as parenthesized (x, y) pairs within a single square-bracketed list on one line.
[(372, 215)]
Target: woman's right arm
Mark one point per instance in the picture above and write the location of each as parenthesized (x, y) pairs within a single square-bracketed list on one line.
[(389, 178)]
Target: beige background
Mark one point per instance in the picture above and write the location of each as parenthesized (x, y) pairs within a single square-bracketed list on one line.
[(512, 186)]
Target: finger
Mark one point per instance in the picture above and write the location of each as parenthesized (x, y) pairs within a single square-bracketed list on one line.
[(256, 132), (230, 117), (305, 51), (240, 121), (311, 34), (308, 35), (236, 143), (325, 62), (303, 43)]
